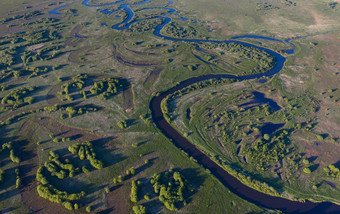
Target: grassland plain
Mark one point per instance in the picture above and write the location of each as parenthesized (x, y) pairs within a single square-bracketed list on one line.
[(47, 51)]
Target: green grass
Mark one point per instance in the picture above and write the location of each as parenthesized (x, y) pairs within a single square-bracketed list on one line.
[(301, 87)]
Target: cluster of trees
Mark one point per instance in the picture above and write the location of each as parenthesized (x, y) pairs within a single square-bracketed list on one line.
[(77, 111), (17, 52), (13, 157), (77, 82), (145, 25), (71, 111), (35, 37), (6, 57), (18, 116), (264, 60), (24, 16), (18, 43), (47, 191), (9, 72), (56, 196), (53, 108), (166, 104), (18, 97), (265, 152), (134, 192), (170, 187), (303, 106), (58, 168), (332, 171), (139, 209), (63, 139), (36, 71), (4, 87), (108, 87), (179, 31), (85, 150), (9, 146), (43, 21), (246, 179), (119, 179), (130, 171), (122, 124)]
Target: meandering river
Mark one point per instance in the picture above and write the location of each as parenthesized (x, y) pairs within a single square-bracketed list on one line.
[(228, 180)]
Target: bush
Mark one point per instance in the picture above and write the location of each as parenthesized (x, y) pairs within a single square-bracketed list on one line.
[(134, 192), (122, 124), (307, 170), (68, 205), (139, 209), (85, 150)]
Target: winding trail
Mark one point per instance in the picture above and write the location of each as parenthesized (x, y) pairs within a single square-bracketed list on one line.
[(228, 180)]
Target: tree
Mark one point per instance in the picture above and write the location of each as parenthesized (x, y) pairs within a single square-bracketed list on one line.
[(71, 111), (68, 205), (122, 124), (307, 170), (134, 190), (18, 182), (147, 197), (14, 158), (139, 209)]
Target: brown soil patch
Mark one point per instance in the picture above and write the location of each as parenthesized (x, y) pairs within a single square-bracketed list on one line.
[(124, 61), (30, 163), (28, 168), (128, 100), (118, 198), (72, 40), (74, 56), (59, 129), (35, 48), (326, 152)]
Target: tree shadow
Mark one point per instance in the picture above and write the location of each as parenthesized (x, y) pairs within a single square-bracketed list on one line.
[(115, 187), (106, 211), (130, 122), (314, 167), (194, 178), (8, 194), (312, 158), (9, 180), (9, 210), (145, 166), (97, 206), (24, 170), (107, 155), (142, 143), (337, 164), (24, 154)]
